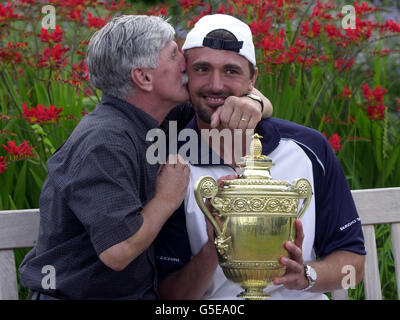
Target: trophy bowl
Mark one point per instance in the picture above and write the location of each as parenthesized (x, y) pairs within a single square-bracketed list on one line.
[(252, 216)]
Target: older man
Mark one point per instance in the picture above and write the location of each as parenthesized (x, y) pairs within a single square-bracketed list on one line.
[(220, 63), (103, 203)]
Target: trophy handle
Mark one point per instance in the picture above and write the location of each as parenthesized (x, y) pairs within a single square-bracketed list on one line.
[(303, 188), (207, 187)]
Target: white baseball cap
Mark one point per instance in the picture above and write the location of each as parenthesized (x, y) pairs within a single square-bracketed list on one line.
[(197, 37)]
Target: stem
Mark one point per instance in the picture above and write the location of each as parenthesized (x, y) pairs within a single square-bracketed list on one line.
[(9, 91)]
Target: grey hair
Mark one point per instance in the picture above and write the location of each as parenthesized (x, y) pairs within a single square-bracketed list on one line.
[(125, 43)]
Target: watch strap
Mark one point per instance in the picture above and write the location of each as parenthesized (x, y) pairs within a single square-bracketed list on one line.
[(311, 281), (256, 98)]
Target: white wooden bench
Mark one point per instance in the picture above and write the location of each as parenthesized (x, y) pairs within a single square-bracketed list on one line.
[(376, 206), (19, 229)]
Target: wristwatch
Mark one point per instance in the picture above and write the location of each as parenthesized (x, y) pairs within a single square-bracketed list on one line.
[(256, 98), (311, 275)]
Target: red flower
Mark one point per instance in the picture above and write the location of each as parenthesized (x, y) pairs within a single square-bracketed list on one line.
[(320, 10), (374, 101), (261, 27), (346, 92), (333, 32), (375, 96), (116, 6), (376, 112), (96, 22), (54, 57), (272, 44), (344, 64), (6, 12), (18, 152), (390, 25), (315, 29), (41, 114), (44, 35), (55, 37), (3, 164), (187, 5), (11, 53), (363, 9), (334, 141), (79, 73), (75, 15)]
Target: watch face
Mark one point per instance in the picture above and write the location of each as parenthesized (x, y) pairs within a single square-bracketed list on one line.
[(312, 273)]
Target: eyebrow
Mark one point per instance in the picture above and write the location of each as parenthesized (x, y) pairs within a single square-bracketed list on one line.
[(225, 66)]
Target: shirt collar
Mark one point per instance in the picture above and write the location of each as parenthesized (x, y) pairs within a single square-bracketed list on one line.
[(141, 120), (266, 128)]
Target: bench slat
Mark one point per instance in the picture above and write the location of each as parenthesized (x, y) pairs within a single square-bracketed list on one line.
[(396, 253), (8, 276), (19, 228), (376, 206), (372, 282)]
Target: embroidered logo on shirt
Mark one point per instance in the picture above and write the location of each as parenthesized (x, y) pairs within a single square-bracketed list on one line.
[(349, 224), (172, 259)]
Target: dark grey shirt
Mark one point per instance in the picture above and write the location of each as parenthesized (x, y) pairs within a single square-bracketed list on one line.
[(97, 184)]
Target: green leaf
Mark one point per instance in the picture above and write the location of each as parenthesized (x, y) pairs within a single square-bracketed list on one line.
[(392, 162), (12, 203), (39, 181), (377, 143), (20, 187)]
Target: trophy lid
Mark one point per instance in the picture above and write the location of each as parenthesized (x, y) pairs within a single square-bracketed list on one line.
[(254, 169), (255, 165)]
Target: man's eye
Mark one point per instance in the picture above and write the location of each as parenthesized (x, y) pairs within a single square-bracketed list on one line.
[(231, 71), (200, 69)]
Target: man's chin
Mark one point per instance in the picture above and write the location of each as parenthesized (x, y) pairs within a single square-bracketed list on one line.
[(204, 116)]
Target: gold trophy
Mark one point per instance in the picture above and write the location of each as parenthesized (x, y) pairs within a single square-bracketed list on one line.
[(253, 216)]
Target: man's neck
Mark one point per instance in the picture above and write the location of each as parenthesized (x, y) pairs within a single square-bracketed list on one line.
[(230, 152), (147, 103)]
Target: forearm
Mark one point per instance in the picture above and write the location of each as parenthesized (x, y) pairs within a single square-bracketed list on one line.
[(268, 108), (192, 281), (329, 270), (154, 214)]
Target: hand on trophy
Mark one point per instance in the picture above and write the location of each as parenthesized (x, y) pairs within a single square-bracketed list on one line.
[(294, 277)]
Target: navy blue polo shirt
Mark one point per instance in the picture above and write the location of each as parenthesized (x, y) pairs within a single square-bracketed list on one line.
[(331, 223), (97, 184)]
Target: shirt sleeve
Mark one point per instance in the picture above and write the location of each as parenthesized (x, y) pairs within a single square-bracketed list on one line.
[(172, 247), (338, 226), (104, 195)]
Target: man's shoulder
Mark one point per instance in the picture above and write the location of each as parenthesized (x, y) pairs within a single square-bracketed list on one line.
[(93, 135), (310, 140), (290, 130)]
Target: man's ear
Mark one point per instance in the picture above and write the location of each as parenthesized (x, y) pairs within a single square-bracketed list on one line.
[(142, 78), (253, 79)]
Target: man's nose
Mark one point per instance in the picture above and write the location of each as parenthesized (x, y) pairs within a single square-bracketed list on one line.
[(216, 83)]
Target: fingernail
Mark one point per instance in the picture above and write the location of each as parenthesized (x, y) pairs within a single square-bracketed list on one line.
[(284, 260)]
